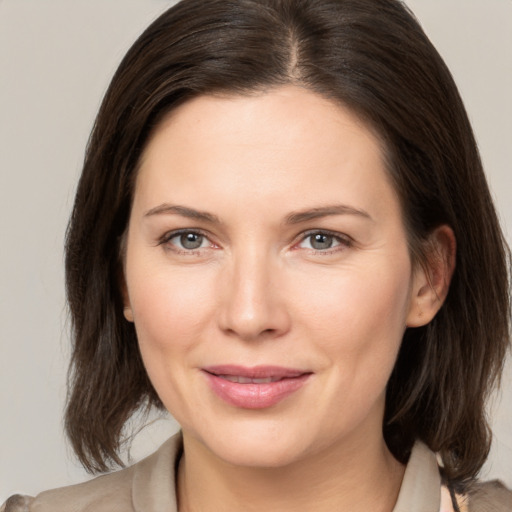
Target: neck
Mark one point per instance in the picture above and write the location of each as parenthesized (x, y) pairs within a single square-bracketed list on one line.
[(359, 478)]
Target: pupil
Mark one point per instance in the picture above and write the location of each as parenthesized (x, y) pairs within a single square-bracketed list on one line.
[(191, 241), (321, 241)]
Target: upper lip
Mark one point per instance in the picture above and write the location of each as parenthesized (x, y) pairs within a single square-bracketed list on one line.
[(255, 372)]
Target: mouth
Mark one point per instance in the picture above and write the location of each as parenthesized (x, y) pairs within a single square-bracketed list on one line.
[(247, 380), (255, 387)]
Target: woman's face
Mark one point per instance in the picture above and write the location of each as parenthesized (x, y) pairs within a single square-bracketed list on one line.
[(268, 275)]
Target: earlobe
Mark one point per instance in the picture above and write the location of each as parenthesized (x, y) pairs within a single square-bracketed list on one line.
[(128, 313), (431, 281), (127, 309)]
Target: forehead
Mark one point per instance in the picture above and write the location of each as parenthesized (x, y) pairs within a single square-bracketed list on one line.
[(261, 113), (287, 144)]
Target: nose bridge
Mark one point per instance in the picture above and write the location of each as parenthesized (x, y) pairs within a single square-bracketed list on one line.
[(252, 305)]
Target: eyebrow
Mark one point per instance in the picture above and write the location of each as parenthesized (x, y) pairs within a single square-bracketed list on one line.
[(325, 211), (292, 218), (184, 211)]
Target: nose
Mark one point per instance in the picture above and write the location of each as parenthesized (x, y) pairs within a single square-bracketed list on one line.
[(253, 304)]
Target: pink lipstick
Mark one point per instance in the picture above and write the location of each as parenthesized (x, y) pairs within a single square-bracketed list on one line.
[(255, 387)]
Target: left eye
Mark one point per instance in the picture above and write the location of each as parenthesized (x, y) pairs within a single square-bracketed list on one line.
[(320, 241), (189, 241)]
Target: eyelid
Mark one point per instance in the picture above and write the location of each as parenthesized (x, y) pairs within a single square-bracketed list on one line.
[(169, 235), (343, 239)]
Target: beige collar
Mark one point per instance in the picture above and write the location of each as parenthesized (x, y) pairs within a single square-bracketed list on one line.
[(154, 480), (421, 486)]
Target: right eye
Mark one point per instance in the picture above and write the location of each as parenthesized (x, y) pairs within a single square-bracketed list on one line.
[(187, 241)]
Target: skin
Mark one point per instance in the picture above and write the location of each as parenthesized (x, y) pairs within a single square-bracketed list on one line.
[(260, 291)]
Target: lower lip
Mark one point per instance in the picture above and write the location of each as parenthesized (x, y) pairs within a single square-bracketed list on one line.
[(255, 396)]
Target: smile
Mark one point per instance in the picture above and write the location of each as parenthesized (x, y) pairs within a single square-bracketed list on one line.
[(246, 380), (254, 388)]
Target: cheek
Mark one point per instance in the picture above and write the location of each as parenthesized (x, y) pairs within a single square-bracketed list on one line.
[(380, 306), (172, 312), (354, 298), (171, 309), (358, 319)]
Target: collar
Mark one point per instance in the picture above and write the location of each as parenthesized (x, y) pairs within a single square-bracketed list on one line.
[(421, 486), (154, 480)]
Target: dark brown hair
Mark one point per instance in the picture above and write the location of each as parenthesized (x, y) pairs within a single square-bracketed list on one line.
[(372, 56)]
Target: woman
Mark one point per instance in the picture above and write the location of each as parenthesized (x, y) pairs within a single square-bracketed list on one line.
[(283, 235)]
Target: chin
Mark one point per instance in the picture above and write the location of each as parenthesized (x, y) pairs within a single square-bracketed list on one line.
[(258, 453), (259, 446)]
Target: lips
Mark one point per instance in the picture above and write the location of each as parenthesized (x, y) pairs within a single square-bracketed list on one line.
[(247, 380), (256, 387)]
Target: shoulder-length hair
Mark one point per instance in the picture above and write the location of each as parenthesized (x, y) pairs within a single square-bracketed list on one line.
[(373, 57)]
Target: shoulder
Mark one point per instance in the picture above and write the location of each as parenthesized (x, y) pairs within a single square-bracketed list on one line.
[(489, 497), (479, 497), (110, 493), (17, 503), (126, 490)]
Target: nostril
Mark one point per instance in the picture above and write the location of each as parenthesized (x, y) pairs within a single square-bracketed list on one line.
[(251, 306), (250, 335)]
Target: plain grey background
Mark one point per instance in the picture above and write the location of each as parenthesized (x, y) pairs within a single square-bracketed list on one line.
[(56, 59)]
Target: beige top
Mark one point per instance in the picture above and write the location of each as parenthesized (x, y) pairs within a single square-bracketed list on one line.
[(149, 486)]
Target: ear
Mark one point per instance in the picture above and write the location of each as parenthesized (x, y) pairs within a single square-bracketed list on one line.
[(431, 279), (127, 308), (128, 313)]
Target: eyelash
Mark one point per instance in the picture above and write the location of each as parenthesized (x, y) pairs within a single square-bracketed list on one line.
[(165, 240), (343, 241)]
